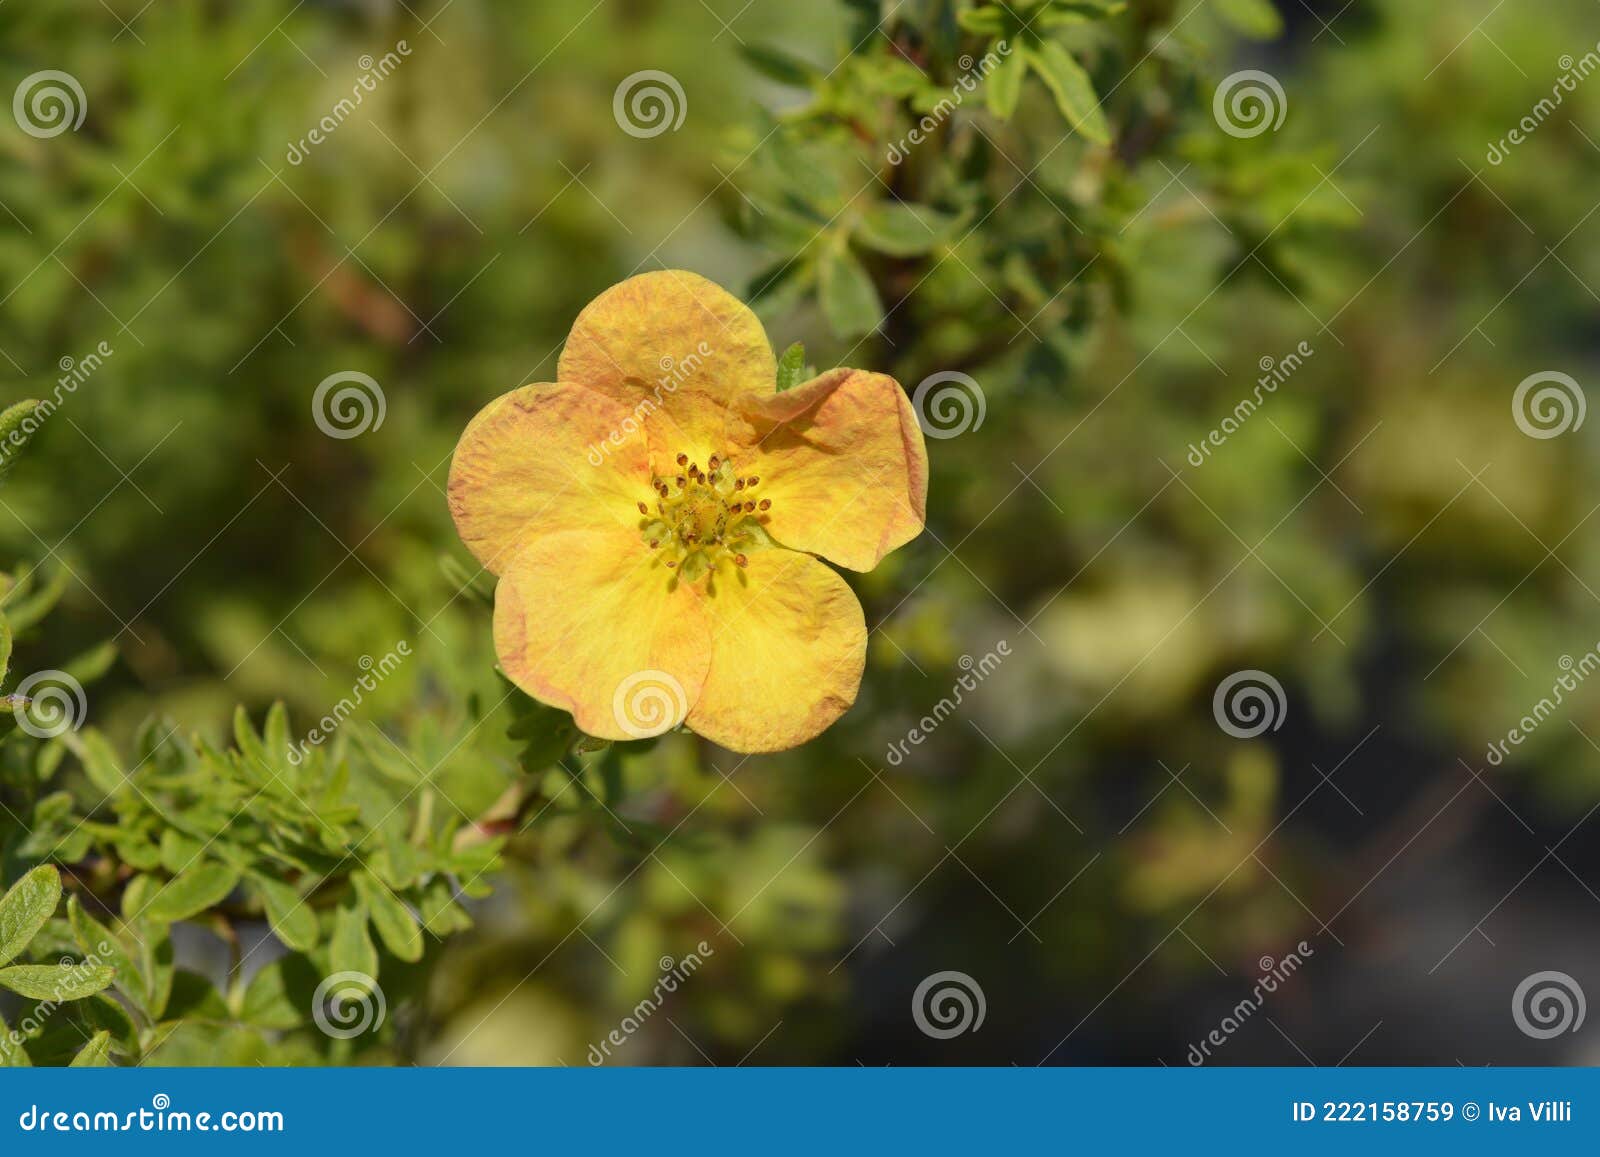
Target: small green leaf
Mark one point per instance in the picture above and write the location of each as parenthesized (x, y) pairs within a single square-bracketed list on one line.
[(781, 287), (5, 647), (396, 926), (93, 663), (194, 998), (158, 970), (190, 893), (441, 915), (94, 1055), (268, 1002), (849, 299), (1070, 85), (1004, 86), (99, 759), (23, 910), (12, 1054), (25, 609), (474, 582), (544, 732), (17, 426), (180, 852), (351, 949), (104, 1013), (903, 230), (983, 21), (792, 367), (56, 981), (100, 944), (1257, 19), (778, 65), (292, 919)]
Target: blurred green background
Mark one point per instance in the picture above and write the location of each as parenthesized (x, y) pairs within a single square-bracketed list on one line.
[(1080, 837)]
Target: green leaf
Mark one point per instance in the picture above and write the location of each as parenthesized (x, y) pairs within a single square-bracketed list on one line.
[(983, 21), (24, 610), (194, 998), (778, 65), (56, 981), (158, 970), (99, 943), (544, 732), (351, 949), (396, 926), (1004, 86), (248, 742), (275, 732), (23, 910), (792, 367), (99, 759), (1066, 12), (93, 663), (441, 915), (5, 647), (1070, 85), (268, 1001), (17, 426), (179, 851), (849, 299), (903, 230), (780, 287), (94, 1055), (105, 1014), (190, 893), (1257, 19), (474, 582), (12, 1054), (292, 919)]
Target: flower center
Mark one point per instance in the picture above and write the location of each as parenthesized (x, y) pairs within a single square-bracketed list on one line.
[(703, 519)]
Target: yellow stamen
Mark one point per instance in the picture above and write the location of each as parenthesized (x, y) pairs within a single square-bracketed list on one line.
[(697, 527)]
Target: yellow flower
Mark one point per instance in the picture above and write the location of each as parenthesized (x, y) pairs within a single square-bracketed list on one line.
[(654, 514), (653, 517)]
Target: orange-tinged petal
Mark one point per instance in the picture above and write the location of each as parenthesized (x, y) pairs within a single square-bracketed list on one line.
[(679, 351), (541, 460), (844, 464), (590, 623), (788, 645)]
